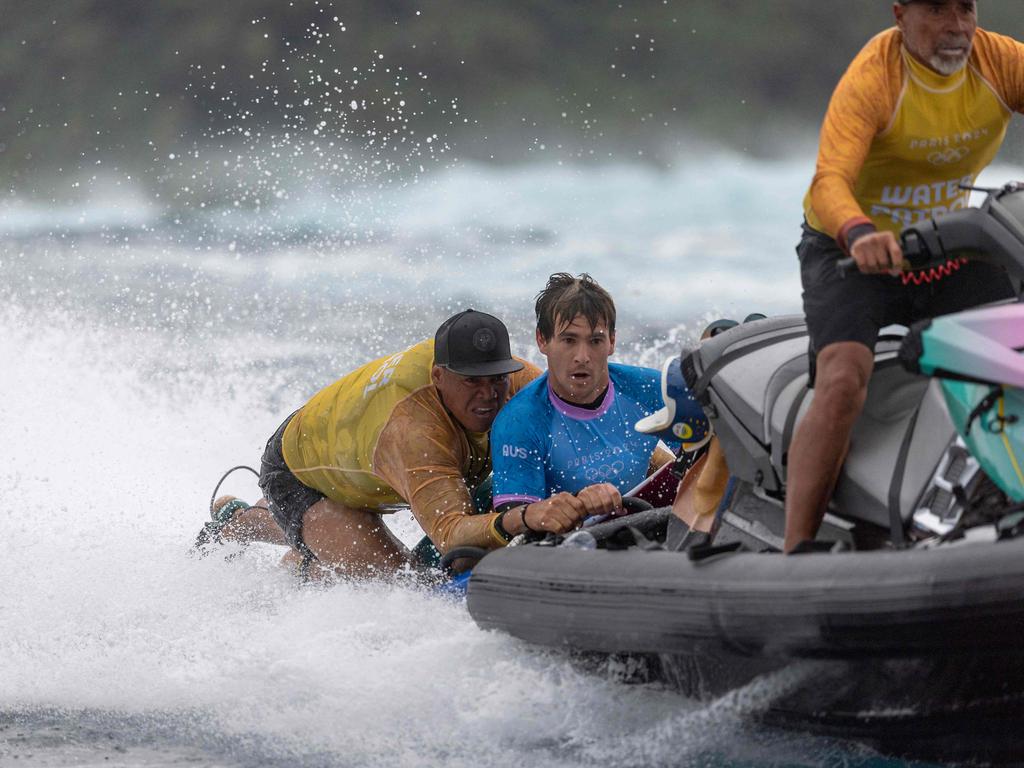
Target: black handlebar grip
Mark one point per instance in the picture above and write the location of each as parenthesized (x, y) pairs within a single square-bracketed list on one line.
[(914, 249), (845, 265)]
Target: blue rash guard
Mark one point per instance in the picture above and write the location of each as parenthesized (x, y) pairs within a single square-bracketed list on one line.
[(542, 445)]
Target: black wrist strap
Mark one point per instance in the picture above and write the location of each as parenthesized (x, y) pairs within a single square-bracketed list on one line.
[(526, 525), (857, 232)]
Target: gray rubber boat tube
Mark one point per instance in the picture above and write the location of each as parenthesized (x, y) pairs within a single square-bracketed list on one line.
[(957, 599)]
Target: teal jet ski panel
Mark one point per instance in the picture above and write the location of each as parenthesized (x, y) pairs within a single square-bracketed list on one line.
[(977, 356)]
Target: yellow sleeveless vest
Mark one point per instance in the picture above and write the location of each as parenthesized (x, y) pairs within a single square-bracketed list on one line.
[(329, 444)]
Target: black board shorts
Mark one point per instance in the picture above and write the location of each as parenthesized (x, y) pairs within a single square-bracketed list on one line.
[(286, 496), (857, 306)]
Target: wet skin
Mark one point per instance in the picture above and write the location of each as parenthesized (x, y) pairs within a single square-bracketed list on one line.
[(938, 34), (577, 357), (474, 401)]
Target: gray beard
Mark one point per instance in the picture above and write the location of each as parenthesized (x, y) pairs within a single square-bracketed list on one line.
[(946, 66)]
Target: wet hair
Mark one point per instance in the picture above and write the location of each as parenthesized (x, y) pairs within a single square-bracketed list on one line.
[(565, 297)]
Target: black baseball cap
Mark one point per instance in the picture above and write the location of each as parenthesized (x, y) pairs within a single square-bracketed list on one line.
[(474, 343)]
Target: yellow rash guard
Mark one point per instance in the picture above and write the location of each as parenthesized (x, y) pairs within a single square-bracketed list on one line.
[(898, 139), (381, 436)]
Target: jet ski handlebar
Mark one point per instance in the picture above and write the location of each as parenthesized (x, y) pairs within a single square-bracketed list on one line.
[(992, 232), (915, 252)]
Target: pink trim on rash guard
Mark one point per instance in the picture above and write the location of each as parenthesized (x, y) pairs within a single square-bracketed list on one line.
[(582, 414), (505, 498)]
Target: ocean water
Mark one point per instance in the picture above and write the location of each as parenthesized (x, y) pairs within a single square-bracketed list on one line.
[(148, 345)]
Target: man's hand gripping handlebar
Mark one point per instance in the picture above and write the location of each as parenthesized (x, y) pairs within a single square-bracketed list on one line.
[(880, 252)]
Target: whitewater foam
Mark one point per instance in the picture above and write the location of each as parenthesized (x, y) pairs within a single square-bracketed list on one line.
[(136, 373)]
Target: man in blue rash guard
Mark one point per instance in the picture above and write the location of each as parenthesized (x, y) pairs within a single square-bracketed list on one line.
[(570, 432)]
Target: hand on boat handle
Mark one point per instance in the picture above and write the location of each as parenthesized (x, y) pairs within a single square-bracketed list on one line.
[(560, 513), (600, 499)]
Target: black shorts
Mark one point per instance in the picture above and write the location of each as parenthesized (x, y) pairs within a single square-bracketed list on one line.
[(857, 306), (287, 497)]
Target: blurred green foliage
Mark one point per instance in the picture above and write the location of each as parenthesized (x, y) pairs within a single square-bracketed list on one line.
[(87, 79)]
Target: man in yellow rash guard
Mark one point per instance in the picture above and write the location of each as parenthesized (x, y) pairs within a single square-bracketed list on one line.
[(922, 109), (412, 428)]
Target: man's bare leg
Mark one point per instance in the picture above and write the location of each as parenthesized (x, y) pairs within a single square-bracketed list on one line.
[(823, 436), (352, 542)]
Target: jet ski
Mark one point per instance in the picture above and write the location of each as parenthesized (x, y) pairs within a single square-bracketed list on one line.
[(902, 626)]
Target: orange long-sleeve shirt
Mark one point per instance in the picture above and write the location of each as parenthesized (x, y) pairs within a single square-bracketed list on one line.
[(898, 139)]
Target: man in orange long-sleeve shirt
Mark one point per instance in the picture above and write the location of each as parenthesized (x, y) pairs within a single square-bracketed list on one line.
[(922, 109), (410, 428)]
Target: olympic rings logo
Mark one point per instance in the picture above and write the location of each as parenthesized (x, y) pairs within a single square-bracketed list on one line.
[(605, 471), (948, 156)]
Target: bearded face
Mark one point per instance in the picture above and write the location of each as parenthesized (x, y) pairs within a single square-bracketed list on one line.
[(939, 33)]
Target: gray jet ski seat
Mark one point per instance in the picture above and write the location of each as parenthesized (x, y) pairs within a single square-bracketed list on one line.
[(752, 381)]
